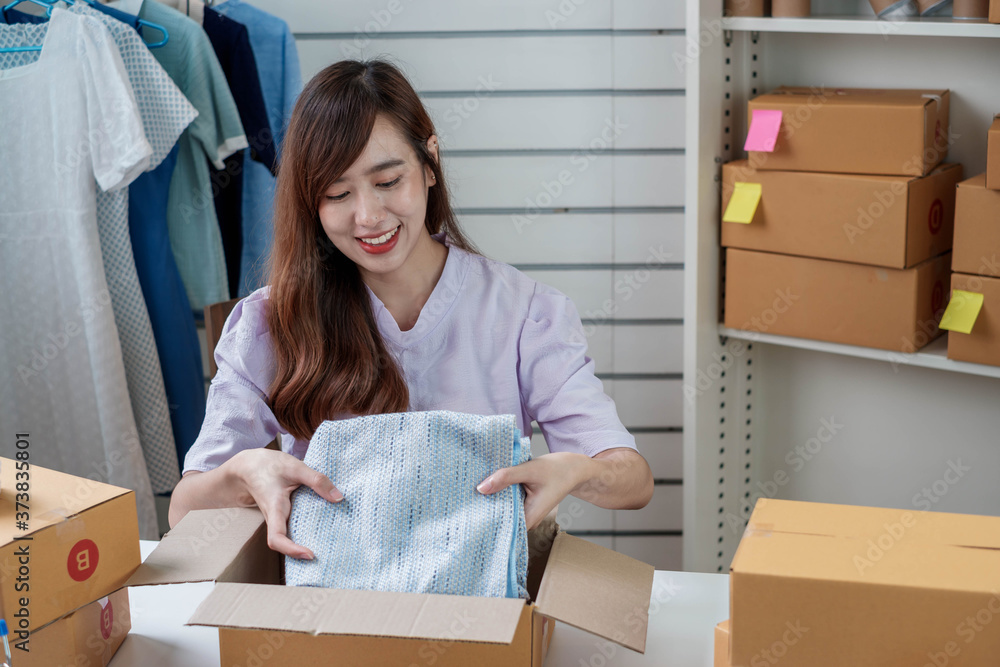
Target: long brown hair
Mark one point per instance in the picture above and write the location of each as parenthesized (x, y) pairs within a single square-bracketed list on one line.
[(329, 355)]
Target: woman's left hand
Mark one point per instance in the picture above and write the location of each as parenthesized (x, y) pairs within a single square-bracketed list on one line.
[(546, 480)]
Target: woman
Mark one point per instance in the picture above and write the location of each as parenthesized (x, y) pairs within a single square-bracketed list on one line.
[(378, 303)]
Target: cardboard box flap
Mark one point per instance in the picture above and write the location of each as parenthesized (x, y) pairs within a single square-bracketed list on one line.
[(369, 613), (894, 559), (202, 547), (597, 590), (74, 495), (847, 521), (977, 181), (863, 96)]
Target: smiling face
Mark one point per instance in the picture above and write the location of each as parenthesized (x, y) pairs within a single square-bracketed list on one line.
[(374, 213)]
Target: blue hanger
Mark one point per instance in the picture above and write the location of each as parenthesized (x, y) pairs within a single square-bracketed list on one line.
[(142, 22), (18, 49), (48, 12), (155, 26)]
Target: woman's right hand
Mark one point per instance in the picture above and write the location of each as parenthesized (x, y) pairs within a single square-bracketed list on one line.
[(269, 477)]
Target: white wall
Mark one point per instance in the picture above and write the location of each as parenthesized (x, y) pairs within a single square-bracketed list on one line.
[(525, 92)]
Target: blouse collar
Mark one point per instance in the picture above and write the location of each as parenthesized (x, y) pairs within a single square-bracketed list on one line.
[(438, 304)]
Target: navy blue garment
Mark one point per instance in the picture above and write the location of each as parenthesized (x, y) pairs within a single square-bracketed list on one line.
[(166, 300), (231, 43)]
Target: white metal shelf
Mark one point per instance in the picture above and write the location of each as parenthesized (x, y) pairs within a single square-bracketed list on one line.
[(866, 25), (933, 355)]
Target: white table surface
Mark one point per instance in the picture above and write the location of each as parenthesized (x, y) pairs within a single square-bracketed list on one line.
[(683, 611)]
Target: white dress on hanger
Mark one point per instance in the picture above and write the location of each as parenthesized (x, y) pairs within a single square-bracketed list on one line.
[(69, 119)]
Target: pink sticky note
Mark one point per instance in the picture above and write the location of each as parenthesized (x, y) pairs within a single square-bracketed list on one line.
[(764, 126)]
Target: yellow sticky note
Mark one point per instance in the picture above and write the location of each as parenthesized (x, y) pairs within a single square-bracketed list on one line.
[(962, 311), (743, 203)]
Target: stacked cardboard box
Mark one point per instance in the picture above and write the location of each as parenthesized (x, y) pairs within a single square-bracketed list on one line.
[(849, 241), (976, 264), (817, 585), (722, 645), (67, 546)]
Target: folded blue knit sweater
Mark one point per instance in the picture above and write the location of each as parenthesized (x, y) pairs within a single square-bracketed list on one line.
[(412, 519)]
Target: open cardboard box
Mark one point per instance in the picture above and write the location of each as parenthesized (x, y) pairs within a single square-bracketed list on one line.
[(570, 579)]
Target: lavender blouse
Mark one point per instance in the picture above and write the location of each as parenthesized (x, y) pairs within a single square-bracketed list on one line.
[(489, 340)]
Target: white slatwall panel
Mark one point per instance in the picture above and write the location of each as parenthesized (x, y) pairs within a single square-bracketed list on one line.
[(648, 348), (523, 93), (356, 18), (572, 238), (532, 62), (582, 179), (483, 122)]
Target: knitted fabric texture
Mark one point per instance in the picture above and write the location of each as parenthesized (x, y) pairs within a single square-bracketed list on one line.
[(412, 519)]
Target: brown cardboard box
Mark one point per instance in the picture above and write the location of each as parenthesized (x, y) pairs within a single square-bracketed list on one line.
[(993, 155), (891, 309), (82, 543), (994, 11), (982, 346), (817, 585), (722, 645), (893, 221), (856, 130), (570, 579), (88, 636), (977, 228)]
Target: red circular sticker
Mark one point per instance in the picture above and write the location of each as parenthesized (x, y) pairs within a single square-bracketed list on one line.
[(937, 297), (82, 560), (935, 216), (107, 620)]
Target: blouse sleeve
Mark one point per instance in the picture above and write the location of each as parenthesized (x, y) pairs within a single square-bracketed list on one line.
[(558, 386), (118, 146), (237, 416)]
